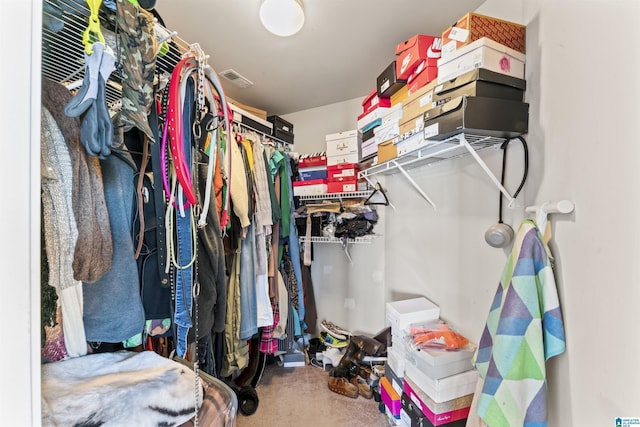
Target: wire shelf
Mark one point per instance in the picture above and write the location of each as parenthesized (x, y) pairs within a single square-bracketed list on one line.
[(434, 151), (350, 195), (322, 239)]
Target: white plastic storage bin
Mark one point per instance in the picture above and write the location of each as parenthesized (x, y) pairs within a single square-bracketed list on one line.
[(401, 314)]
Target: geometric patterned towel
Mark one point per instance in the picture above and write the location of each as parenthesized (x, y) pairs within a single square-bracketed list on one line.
[(523, 330)]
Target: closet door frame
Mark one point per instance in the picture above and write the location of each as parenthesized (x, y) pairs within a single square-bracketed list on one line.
[(20, 44)]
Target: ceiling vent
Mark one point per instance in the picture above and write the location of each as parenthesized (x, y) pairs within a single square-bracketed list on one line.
[(235, 78)]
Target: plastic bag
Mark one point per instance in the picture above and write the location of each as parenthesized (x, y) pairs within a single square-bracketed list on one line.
[(436, 335)]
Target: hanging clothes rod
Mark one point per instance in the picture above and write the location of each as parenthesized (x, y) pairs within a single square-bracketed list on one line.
[(284, 144), (562, 206), (542, 211)]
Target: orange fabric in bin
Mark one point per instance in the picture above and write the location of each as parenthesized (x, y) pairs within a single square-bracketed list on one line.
[(439, 336)]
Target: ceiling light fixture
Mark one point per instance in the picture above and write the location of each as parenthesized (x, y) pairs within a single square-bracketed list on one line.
[(282, 17)]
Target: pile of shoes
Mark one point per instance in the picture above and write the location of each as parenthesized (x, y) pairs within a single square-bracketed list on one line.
[(352, 377)]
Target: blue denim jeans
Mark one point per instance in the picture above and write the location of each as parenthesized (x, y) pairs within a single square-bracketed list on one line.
[(294, 250), (184, 233), (248, 303)]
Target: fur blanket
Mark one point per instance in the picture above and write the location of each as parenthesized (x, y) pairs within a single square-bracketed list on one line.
[(118, 389)]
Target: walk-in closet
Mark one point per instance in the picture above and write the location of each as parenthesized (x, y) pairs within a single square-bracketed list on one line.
[(369, 214)]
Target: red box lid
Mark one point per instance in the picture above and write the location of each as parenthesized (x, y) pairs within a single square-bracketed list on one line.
[(372, 100), (343, 166), (418, 48), (312, 160), (312, 182)]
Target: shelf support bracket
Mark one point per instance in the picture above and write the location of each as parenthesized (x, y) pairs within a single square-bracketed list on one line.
[(415, 185), (486, 169)]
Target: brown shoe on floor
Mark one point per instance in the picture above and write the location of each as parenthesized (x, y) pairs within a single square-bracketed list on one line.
[(363, 388), (343, 386)]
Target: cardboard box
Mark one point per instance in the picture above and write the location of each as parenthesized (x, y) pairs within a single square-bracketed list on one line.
[(480, 82), (388, 82), (250, 120), (483, 53), (310, 188), (387, 151), (437, 413), (473, 26), (419, 48), (399, 96), (412, 126), (262, 114), (501, 118), (418, 103)]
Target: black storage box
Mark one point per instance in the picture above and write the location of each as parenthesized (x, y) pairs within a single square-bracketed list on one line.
[(474, 115), (253, 124), (387, 82), (280, 124), (418, 419), (282, 129), (480, 82), (316, 225)]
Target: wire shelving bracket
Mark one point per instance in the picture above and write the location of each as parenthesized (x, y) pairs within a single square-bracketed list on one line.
[(435, 151)]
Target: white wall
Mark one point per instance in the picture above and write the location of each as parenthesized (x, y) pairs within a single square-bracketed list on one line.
[(582, 69), (582, 78), (20, 214)]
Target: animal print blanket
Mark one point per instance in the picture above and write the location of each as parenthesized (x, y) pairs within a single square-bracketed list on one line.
[(118, 389)]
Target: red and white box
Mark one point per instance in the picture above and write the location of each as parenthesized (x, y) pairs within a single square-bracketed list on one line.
[(312, 160), (310, 188), (346, 186), (342, 172), (373, 100), (438, 413), (421, 76), (415, 50)]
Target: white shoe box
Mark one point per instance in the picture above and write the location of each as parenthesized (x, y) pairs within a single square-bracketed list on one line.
[(439, 363), (396, 361), (443, 389), (482, 53), (401, 314)]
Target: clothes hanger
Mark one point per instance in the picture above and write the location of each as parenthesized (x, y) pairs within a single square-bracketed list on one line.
[(377, 189), (92, 27)]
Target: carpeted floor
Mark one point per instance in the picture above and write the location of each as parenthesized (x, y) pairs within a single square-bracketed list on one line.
[(300, 397)]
